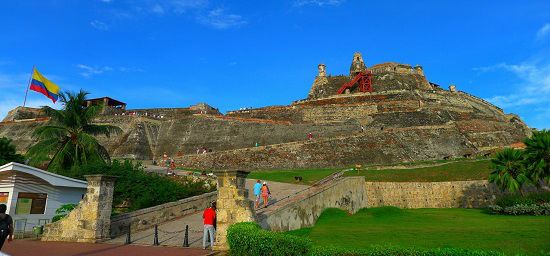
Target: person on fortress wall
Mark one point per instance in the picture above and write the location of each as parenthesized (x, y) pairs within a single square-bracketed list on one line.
[(209, 216), (265, 193), (6, 226), (257, 191)]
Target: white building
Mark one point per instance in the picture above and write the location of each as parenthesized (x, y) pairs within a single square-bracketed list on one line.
[(33, 194)]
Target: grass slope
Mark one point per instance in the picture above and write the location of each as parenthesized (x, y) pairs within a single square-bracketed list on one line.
[(431, 228), (309, 176), (461, 170)]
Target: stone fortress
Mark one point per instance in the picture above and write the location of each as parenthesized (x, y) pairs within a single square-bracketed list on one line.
[(405, 117)]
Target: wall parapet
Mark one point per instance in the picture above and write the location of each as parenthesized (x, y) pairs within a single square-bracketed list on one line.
[(145, 218), (303, 211)]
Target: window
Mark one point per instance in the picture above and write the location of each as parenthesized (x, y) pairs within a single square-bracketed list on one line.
[(31, 203), (4, 197)]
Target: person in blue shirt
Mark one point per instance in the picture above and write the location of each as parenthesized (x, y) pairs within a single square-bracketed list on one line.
[(257, 188)]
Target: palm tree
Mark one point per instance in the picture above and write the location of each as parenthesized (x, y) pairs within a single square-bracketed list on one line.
[(538, 156), (509, 170), (68, 140)]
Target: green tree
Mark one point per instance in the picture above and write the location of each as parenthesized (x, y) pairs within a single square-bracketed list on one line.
[(509, 172), (68, 140), (538, 156), (8, 153)]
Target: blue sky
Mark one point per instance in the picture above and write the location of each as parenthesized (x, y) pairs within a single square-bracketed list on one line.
[(233, 54)]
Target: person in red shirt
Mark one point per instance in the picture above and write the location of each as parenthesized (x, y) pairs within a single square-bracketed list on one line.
[(209, 216)]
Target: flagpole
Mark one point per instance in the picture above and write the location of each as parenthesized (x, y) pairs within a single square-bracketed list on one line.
[(28, 85)]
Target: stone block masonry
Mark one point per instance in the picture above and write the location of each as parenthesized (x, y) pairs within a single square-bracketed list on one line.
[(145, 218), (303, 210), (90, 220), (233, 205), (448, 194)]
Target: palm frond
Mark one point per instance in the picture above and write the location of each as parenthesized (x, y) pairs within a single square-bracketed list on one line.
[(50, 132), (106, 130)]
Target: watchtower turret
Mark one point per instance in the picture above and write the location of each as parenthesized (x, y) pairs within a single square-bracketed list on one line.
[(357, 65), (322, 69)]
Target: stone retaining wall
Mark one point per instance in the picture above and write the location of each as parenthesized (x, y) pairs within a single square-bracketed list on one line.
[(447, 194), (145, 218), (346, 193)]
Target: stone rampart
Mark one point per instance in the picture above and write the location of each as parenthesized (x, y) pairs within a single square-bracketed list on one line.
[(447, 194), (373, 147), (145, 218), (303, 210)]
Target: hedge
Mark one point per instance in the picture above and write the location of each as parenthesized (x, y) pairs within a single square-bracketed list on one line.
[(516, 199), (248, 239), (522, 209)]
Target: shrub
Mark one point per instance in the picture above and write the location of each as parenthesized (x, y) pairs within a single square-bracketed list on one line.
[(522, 209), (137, 189), (515, 199), (8, 153), (62, 211), (247, 239)]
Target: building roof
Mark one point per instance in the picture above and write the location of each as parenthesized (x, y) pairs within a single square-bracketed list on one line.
[(53, 179), (112, 102)]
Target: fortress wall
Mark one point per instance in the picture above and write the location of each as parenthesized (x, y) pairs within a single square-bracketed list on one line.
[(447, 194), (146, 218), (353, 193), (450, 194), (166, 112), (410, 144), (20, 133), (144, 138), (346, 193)]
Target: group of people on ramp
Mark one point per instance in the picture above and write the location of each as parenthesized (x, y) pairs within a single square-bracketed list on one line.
[(261, 191)]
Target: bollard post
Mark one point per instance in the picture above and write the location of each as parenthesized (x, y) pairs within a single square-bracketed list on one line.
[(186, 238), (156, 241), (128, 236)]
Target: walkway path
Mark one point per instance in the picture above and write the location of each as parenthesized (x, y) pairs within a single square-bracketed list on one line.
[(27, 247), (171, 233)]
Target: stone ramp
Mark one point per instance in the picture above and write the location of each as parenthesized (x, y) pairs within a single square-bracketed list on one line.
[(172, 233)]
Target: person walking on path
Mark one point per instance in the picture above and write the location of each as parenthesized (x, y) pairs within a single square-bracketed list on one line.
[(6, 226), (265, 193), (257, 191), (310, 136), (209, 216)]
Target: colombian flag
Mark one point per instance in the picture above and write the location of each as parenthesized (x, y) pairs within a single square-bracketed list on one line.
[(42, 85)]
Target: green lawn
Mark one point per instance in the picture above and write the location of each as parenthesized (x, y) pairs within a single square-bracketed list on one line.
[(431, 228), (309, 176), (461, 170)]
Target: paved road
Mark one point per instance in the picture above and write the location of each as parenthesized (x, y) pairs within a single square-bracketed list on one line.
[(27, 247), (170, 232)]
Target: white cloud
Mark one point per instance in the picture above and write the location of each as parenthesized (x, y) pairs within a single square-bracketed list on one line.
[(219, 19), (99, 25), (533, 88), (320, 3), (89, 71), (542, 34)]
